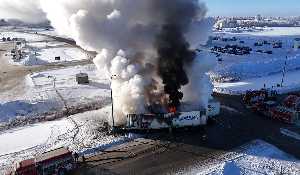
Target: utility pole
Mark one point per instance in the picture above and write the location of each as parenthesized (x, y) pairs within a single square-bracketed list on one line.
[(284, 71), (112, 108), (112, 103)]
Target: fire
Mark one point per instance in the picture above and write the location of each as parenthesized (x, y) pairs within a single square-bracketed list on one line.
[(172, 109)]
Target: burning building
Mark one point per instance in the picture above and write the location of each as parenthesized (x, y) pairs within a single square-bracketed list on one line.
[(145, 46)]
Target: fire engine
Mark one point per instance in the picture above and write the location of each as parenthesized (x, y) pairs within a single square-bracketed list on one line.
[(264, 101), (284, 114)]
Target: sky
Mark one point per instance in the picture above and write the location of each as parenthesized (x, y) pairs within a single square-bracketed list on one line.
[(253, 7)]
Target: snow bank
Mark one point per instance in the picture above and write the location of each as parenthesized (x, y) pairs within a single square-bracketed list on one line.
[(30, 136), (289, 133), (257, 157)]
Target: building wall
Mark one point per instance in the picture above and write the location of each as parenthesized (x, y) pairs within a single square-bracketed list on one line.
[(52, 166)]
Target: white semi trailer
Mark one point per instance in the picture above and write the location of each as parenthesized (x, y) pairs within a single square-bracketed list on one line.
[(173, 120)]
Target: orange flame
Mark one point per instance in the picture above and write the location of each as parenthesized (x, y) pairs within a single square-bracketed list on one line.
[(172, 109)]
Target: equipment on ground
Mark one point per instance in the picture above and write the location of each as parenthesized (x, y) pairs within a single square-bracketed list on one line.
[(82, 78)]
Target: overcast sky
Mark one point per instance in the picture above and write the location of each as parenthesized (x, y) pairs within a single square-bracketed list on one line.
[(253, 7)]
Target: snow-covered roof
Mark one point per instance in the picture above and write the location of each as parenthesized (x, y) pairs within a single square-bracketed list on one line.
[(52, 154)]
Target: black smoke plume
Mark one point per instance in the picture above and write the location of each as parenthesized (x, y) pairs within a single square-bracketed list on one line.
[(172, 48)]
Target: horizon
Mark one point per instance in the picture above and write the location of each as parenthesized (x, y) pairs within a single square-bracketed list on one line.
[(280, 8)]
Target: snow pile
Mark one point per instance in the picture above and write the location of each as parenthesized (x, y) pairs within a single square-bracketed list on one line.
[(289, 133), (257, 157)]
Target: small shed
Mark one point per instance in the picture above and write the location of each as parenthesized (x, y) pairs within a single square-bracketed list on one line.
[(82, 78), (57, 58)]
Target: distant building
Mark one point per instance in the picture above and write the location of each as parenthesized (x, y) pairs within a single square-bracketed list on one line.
[(219, 24), (258, 17)]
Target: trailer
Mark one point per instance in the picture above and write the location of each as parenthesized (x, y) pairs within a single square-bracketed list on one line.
[(165, 121), (57, 161)]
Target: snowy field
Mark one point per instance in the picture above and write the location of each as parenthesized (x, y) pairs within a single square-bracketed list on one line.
[(40, 50), (256, 69), (28, 36), (36, 54), (41, 96), (291, 83), (257, 157), (266, 31), (79, 133)]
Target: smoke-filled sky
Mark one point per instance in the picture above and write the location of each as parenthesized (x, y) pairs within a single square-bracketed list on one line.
[(147, 47), (253, 7), (26, 10)]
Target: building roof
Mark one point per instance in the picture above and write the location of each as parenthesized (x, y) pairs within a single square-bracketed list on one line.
[(52, 154), (82, 75)]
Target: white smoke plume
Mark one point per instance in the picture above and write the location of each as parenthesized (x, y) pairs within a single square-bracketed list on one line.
[(124, 33), (26, 10)]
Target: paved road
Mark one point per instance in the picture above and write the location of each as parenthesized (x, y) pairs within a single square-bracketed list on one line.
[(163, 153)]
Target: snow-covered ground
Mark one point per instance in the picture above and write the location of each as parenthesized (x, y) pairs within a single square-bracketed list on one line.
[(291, 83), (40, 50), (256, 69), (79, 133), (290, 133), (41, 96), (257, 157), (265, 31), (29, 37), (36, 55)]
